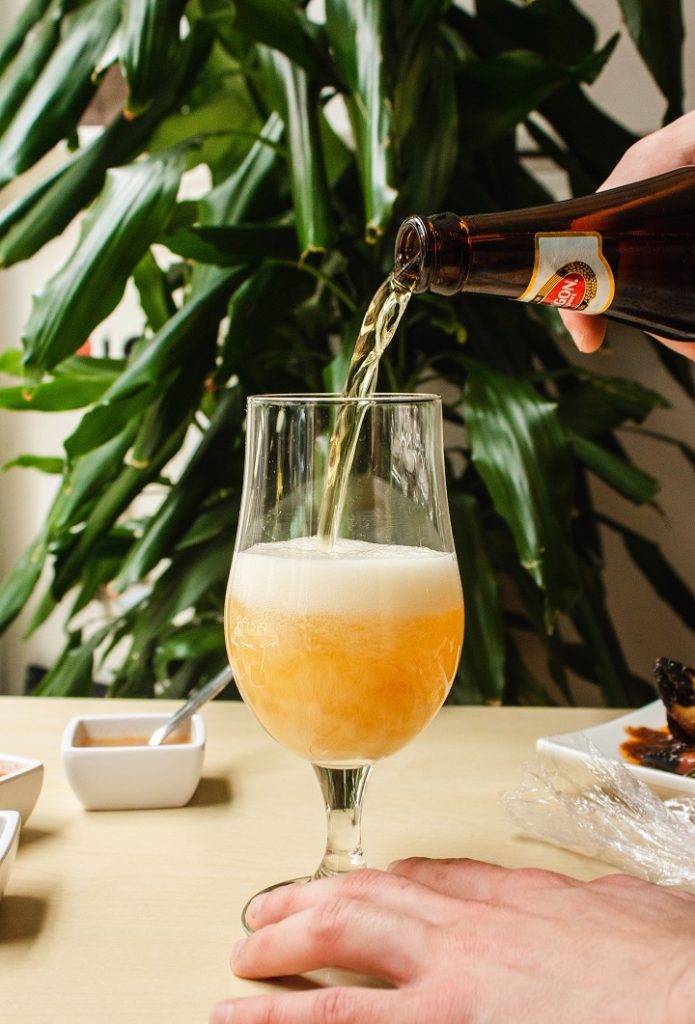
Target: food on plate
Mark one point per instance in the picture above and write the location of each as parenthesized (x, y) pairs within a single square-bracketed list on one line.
[(671, 748)]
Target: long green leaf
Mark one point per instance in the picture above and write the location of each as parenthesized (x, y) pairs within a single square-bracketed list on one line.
[(521, 451), (657, 29), (141, 382), (86, 479), (44, 463), (425, 98), (482, 664), (62, 90), (33, 219), (298, 103), (72, 674), (160, 435), (598, 405), (168, 525), (151, 45), (78, 382), (132, 210), (18, 585), (230, 246), (31, 60), (186, 643), (233, 198), (355, 30), (31, 13), (623, 476), (155, 297), (280, 25), (502, 91)]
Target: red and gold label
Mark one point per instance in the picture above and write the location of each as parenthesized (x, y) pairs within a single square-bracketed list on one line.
[(570, 272)]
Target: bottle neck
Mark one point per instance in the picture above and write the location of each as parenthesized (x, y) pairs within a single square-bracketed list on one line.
[(433, 253)]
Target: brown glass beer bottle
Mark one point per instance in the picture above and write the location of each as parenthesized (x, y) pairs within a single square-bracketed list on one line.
[(628, 252)]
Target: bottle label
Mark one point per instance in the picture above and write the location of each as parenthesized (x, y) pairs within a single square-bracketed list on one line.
[(571, 272)]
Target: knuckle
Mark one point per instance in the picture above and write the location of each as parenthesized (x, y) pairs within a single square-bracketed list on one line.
[(334, 1007), (362, 884), (329, 922)]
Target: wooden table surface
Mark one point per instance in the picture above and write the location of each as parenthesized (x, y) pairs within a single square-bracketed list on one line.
[(128, 916)]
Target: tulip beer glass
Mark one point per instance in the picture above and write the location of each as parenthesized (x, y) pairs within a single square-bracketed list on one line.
[(344, 625)]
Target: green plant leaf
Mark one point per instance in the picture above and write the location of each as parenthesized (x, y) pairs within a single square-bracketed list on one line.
[(430, 153), (155, 297), (297, 98), (11, 362), (230, 246), (33, 219), (597, 405), (131, 211), (37, 48), (657, 29), (72, 674), (101, 566), (233, 198), (355, 31), (150, 44), (280, 25), (160, 434), (623, 476), (500, 92), (44, 463), (482, 668), (53, 396), (86, 479), (31, 13), (61, 91), (171, 521), (186, 643), (520, 449), (161, 358), (18, 585)]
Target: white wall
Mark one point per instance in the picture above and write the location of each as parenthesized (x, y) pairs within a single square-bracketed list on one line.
[(646, 628)]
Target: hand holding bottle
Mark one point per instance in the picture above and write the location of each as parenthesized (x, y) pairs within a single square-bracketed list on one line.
[(664, 150)]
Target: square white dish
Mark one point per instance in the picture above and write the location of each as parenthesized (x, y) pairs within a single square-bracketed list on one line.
[(10, 824), (607, 739), (132, 776), (21, 779)]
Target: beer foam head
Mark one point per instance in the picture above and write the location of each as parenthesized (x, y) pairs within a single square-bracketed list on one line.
[(352, 577)]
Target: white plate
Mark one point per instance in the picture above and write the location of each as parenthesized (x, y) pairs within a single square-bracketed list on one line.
[(607, 738), (9, 839), (20, 783)]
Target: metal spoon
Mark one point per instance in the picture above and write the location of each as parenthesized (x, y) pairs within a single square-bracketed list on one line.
[(194, 702)]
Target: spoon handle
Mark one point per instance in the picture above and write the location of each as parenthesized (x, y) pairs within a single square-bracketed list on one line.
[(195, 701)]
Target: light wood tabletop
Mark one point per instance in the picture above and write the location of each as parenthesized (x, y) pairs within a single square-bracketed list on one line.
[(129, 916)]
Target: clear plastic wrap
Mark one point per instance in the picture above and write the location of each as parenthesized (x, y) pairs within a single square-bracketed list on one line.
[(599, 808)]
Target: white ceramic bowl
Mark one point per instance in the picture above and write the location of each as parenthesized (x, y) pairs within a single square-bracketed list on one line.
[(10, 823), (108, 775), (20, 783)]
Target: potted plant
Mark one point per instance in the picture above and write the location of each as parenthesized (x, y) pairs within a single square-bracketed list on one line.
[(319, 134)]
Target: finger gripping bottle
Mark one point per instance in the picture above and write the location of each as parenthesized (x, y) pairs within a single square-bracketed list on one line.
[(628, 252)]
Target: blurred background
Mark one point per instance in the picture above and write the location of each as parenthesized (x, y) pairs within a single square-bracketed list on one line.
[(646, 626)]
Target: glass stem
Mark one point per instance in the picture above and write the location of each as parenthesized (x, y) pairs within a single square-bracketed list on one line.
[(343, 792)]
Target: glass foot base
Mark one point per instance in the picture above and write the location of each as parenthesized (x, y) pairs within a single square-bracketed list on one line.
[(271, 888)]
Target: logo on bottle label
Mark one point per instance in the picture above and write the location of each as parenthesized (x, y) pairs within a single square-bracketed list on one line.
[(571, 272)]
